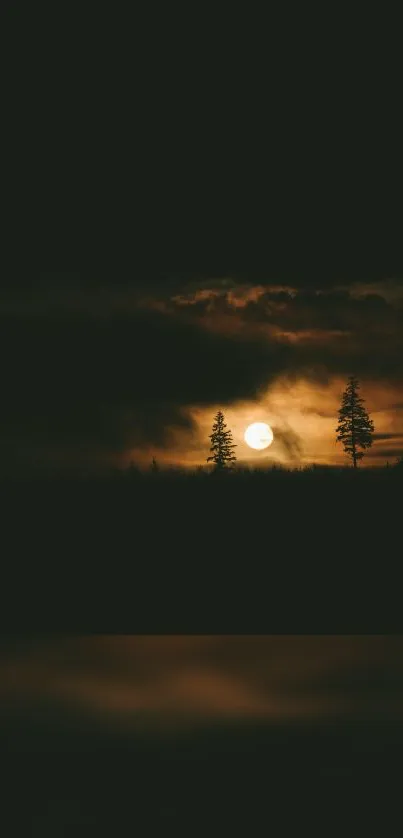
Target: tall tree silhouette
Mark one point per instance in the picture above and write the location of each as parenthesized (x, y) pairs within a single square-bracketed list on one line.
[(222, 445), (355, 428)]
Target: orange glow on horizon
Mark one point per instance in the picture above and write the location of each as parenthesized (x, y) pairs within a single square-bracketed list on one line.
[(303, 417)]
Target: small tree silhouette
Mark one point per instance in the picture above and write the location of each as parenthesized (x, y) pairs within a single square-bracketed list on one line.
[(221, 443), (355, 428)]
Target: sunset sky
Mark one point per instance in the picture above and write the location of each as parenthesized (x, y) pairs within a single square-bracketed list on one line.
[(108, 369)]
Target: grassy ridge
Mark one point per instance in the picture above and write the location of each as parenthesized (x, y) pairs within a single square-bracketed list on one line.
[(302, 545)]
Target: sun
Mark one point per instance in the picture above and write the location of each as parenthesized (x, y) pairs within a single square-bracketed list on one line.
[(259, 435)]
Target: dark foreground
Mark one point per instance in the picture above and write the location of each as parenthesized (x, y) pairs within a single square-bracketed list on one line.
[(338, 779), (314, 551)]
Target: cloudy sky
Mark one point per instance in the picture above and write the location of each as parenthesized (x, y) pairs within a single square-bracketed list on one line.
[(101, 369)]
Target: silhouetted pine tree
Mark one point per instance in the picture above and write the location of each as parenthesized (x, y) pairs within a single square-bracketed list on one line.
[(355, 428), (221, 443)]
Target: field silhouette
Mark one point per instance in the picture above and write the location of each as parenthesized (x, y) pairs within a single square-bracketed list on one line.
[(201, 549)]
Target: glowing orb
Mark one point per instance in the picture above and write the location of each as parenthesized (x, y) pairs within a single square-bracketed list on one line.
[(259, 435)]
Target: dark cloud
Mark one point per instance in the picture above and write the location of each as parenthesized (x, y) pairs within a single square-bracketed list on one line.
[(338, 310), (314, 274), (117, 381), (103, 379), (336, 332), (337, 329), (289, 440), (379, 437), (388, 452), (324, 414)]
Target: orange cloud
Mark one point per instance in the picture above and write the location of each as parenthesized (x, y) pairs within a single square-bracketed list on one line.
[(301, 409)]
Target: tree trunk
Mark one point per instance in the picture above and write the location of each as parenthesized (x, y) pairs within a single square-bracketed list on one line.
[(353, 437)]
